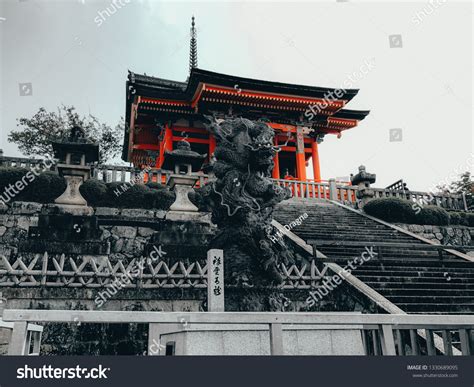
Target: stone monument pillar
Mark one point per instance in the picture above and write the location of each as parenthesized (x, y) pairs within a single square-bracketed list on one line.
[(184, 162), (363, 180), (75, 155)]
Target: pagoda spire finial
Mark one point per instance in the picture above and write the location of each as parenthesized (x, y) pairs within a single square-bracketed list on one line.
[(193, 61)]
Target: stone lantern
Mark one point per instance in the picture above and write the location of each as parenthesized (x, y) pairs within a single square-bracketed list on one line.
[(363, 181), (75, 154), (183, 162)]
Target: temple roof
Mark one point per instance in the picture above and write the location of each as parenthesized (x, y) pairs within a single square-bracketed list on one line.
[(164, 88), (207, 92)]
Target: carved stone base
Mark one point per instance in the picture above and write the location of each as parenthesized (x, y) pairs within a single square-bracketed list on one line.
[(365, 195), (182, 185), (72, 195)]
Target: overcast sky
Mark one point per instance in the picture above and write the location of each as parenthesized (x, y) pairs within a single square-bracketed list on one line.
[(71, 54)]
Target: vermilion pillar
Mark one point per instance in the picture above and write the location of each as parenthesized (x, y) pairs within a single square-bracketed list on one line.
[(315, 157), (166, 144), (212, 145), (300, 158), (276, 162)]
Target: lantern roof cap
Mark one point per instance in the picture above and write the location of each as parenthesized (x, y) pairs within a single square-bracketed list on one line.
[(77, 142)]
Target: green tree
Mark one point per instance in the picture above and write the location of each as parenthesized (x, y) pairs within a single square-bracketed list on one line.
[(463, 184), (35, 134)]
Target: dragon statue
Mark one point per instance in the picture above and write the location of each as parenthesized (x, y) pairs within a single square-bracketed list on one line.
[(242, 199)]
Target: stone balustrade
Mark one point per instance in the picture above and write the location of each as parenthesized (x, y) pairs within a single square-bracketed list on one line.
[(344, 193)]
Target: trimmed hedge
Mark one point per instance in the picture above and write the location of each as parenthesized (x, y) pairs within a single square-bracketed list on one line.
[(462, 218), (433, 215), (396, 210), (123, 195), (470, 219), (47, 186), (43, 188), (94, 191)]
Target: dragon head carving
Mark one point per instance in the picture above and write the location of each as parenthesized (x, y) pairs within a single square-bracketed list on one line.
[(243, 196)]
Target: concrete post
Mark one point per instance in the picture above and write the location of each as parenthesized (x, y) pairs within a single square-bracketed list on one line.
[(18, 339)]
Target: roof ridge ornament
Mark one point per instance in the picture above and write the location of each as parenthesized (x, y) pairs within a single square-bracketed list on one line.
[(193, 62)]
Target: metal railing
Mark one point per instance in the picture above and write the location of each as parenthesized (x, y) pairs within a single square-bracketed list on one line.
[(381, 334)]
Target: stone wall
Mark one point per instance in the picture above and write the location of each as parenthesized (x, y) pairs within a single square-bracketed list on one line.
[(129, 232), (453, 235)]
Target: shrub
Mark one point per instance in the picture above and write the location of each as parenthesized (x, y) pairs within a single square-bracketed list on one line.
[(391, 210), (461, 218), (160, 199), (9, 176), (398, 210), (139, 196), (46, 188), (125, 195), (43, 188), (456, 218), (94, 191), (432, 215), (469, 218)]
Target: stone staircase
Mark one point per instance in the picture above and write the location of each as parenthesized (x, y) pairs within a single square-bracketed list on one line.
[(415, 280)]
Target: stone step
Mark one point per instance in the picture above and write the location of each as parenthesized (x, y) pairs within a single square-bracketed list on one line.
[(437, 308), (445, 312), (380, 286), (334, 237), (393, 278), (424, 299), (423, 274), (416, 256), (404, 265), (391, 292), (351, 234), (416, 280)]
